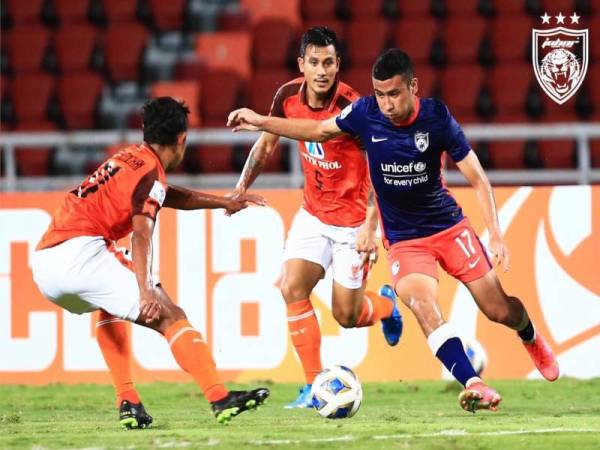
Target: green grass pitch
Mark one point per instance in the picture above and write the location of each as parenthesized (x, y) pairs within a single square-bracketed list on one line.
[(402, 415)]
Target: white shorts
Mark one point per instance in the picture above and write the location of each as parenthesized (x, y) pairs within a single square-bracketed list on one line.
[(83, 275), (326, 245)]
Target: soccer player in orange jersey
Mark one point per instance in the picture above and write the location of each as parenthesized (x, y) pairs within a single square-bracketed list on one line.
[(77, 266), (330, 228)]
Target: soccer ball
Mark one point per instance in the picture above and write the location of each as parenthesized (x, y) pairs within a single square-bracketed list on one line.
[(476, 354), (336, 393)]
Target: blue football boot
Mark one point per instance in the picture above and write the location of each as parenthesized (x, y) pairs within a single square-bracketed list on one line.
[(304, 399), (392, 326)]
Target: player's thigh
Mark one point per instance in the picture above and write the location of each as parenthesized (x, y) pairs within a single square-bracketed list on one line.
[(348, 270), (299, 277)]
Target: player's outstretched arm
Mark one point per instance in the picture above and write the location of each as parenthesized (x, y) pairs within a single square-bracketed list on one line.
[(141, 251), (299, 129), (475, 175), (260, 154), (181, 198), (366, 242)]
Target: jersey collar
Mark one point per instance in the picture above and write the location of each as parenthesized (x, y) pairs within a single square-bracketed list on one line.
[(413, 116), (146, 147), (331, 100)]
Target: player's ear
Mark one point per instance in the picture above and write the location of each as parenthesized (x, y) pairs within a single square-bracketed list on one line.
[(300, 64), (182, 137), (414, 86)]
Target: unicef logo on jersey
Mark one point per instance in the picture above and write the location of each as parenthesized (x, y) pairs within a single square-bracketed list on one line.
[(315, 149)]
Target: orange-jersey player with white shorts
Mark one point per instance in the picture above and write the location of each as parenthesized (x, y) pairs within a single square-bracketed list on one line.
[(335, 226), (77, 265)]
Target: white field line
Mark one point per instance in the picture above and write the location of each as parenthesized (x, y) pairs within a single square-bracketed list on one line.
[(443, 433)]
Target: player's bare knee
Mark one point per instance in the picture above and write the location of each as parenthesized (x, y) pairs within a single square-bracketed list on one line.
[(345, 317), (292, 291)]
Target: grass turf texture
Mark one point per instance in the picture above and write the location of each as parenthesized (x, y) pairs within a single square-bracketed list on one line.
[(403, 415)]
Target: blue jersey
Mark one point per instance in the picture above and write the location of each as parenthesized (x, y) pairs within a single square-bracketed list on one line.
[(405, 165)]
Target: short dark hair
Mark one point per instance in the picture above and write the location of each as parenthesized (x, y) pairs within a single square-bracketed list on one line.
[(392, 62), (164, 118), (320, 37)]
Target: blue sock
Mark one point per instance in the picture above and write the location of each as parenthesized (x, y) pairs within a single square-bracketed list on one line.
[(448, 348)]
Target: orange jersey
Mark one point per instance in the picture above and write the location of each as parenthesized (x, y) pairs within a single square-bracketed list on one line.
[(130, 182), (336, 182)]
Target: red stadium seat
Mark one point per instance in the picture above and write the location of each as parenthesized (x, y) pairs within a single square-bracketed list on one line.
[(595, 153), (594, 24), (557, 154), (271, 42), (123, 47), (507, 154), (220, 93), (119, 10), (167, 15), (460, 8), (412, 9), (225, 50), (24, 12), (365, 39), (462, 38), (262, 9), (359, 77), (263, 86), (460, 88), (73, 46), (71, 11), (363, 9), (513, 45), (416, 36), (335, 25), (592, 81), (509, 84), (26, 47), (318, 9), (510, 7), (78, 94), (188, 91), (30, 96), (34, 162), (427, 79), (215, 158), (553, 112)]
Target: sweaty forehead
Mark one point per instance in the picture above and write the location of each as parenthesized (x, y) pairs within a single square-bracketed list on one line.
[(314, 51), (397, 82)]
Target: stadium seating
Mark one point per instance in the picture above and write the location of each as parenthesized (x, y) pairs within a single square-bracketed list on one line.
[(365, 39), (416, 37), (460, 88), (26, 46), (214, 158), (509, 84), (507, 154), (595, 150), (461, 8), (262, 9), (226, 50), (513, 46), (36, 161), (24, 12), (74, 46), (513, 7), (271, 42), (78, 95), (359, 77), (427, 79), (167, 15), (69, 12), (123, 47), (263, 86), (557, 154), (318, 9), (220, 94), (462, 38), (119, 10), (188, 91), (411, 8), (362, 9), (336, 25), (30, 96)]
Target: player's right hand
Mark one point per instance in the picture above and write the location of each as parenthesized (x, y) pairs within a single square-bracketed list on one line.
[(244, 119), (149, 306)]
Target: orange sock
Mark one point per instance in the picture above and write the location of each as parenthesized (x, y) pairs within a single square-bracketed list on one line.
[(192, 354), (374, 308), (306, 337), (113, 340)]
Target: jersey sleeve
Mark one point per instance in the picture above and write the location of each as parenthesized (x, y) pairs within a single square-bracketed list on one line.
[(351, 118), (277, 109), (456, 143), (148, 195)]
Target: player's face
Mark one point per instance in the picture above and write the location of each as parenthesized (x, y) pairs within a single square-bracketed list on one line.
[(320, 66), (395, 97)]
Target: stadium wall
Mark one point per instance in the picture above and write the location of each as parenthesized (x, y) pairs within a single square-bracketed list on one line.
[(224, 272)]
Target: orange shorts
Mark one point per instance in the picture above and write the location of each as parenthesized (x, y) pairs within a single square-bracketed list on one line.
[(457, 249)]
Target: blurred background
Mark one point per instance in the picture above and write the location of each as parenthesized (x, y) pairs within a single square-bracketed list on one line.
[(70, 65)]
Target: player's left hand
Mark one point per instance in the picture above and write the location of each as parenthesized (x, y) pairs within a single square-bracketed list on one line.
[(499, 252), (366, 245), (237, 202), (244, 119)]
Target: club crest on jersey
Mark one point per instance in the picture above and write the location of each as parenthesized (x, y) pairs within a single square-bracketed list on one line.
[(315, 149), (422, 141), (560, 58)]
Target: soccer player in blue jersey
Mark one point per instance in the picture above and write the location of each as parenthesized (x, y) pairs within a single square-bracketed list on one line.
[(404, 137)]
